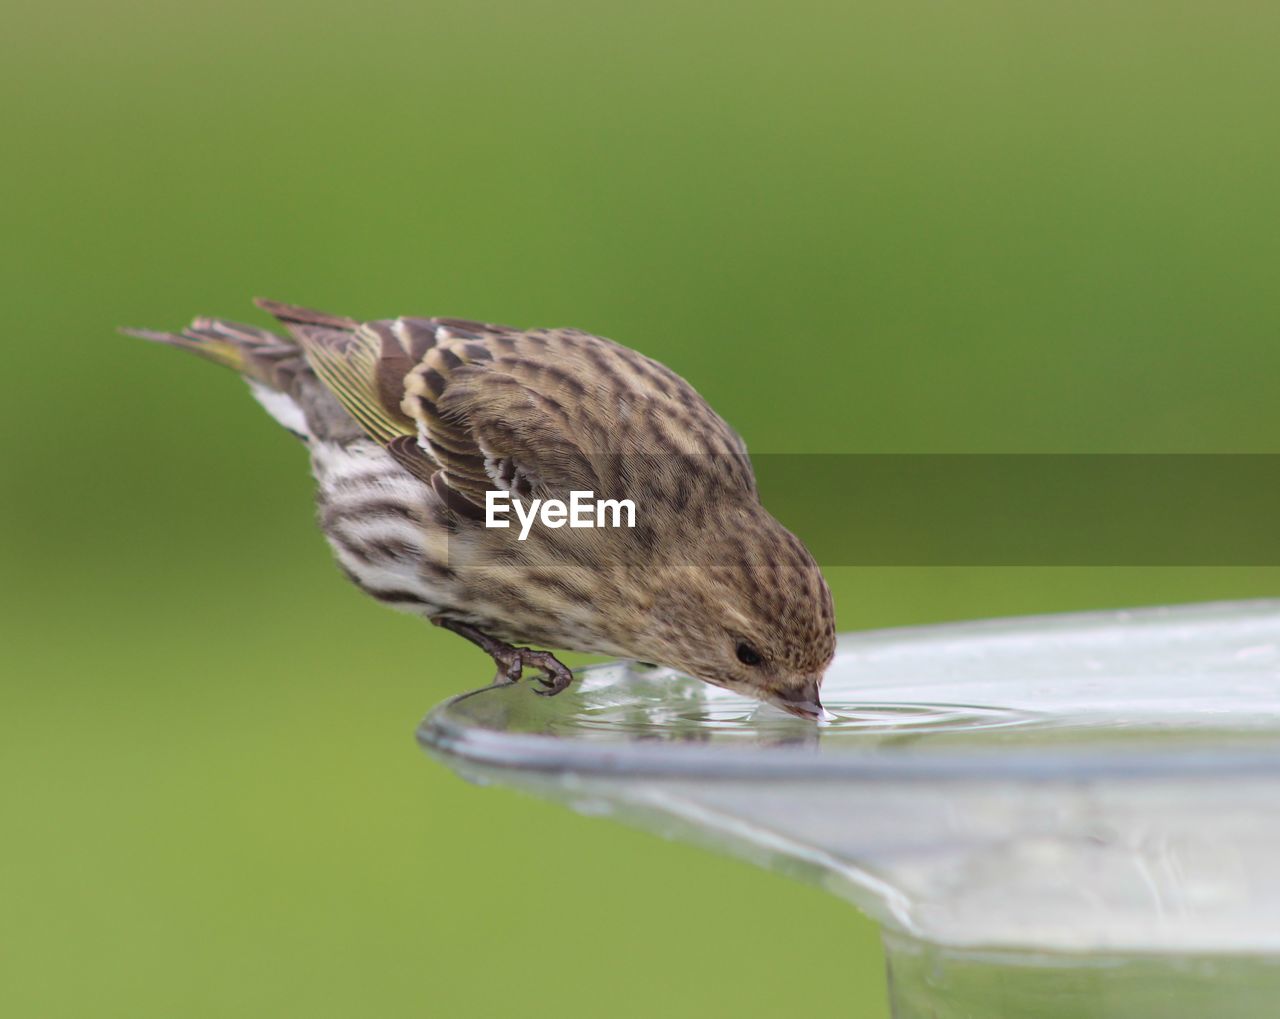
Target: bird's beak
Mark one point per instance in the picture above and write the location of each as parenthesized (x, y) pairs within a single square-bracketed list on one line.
[(803, 701)]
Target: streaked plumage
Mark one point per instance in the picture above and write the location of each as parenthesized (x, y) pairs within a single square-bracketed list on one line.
[(410, 421)]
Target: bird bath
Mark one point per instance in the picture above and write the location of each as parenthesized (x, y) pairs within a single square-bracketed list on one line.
[(1072, 815)]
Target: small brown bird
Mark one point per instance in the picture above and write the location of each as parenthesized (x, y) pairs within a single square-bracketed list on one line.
[(421, 430)]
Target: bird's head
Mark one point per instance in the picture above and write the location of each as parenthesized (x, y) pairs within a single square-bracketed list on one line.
[(748, 610)]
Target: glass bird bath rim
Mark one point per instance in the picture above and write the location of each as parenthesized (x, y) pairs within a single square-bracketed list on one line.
[(465, 730)]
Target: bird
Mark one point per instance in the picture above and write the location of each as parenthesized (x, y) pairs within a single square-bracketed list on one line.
[(417, 426)]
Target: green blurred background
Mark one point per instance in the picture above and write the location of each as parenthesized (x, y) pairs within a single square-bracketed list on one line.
[(873, 227)]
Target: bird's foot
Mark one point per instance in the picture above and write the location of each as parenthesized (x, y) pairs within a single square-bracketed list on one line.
[(511, 661)]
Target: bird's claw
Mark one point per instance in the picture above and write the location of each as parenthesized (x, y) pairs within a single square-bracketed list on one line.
[(555, 677)]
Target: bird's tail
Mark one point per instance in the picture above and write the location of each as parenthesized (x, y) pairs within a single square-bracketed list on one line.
[(253, 352), (275, 366), (256, 353)]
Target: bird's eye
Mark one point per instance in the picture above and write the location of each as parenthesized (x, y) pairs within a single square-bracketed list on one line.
[(748, 655)]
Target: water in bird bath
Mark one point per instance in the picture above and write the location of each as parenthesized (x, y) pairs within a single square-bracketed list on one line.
[(1072, 815)]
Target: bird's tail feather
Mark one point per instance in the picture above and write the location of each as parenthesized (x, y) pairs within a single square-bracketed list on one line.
[(276, 367), (291, 314), (253, 352)]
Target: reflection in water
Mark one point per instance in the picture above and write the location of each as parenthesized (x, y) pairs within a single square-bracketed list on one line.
[(698, 718), (624, 701)]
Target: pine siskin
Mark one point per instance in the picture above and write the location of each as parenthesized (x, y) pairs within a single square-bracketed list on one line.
[(410, 422)]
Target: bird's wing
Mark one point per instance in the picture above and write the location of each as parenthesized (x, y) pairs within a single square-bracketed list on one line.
[(552, 411), (469, 407)]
